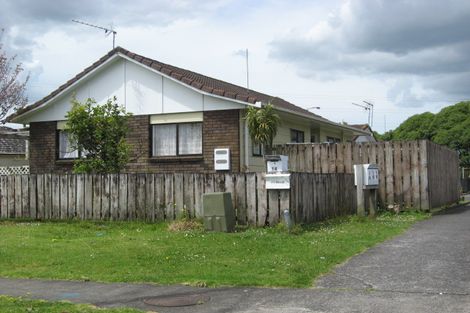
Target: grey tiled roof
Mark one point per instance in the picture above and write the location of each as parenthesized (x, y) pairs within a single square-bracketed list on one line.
[(12, 144)]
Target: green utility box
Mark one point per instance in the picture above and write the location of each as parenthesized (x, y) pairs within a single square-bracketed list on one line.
[(218, 212)]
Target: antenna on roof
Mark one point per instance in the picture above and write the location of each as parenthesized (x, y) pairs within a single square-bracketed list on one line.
[(367, 106), (247, 74), (107, 31), (371, 110)]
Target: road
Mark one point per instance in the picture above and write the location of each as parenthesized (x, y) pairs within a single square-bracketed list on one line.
[(427, 269)]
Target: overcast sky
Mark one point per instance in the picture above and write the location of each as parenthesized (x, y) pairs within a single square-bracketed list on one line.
[(406, 57)]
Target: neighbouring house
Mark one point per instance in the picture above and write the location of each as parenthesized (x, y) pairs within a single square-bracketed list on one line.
[(13, 147), (368, 137), (179, 117)]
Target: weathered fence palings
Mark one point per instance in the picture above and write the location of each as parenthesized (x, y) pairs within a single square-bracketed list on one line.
[(414, 174), (158, 197)]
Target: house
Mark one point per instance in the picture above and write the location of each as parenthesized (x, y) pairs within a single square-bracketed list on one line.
[(179, 117), (13, 147), (369, 137)]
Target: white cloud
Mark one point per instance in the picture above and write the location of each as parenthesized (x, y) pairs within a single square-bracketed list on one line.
[(324, 50), (423, 44)]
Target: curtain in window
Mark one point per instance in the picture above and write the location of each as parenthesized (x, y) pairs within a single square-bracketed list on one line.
[(190, 138), (66, 150), (164, 140)]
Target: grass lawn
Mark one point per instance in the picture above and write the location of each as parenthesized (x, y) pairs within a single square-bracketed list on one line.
[(18, 305), (140, 252)]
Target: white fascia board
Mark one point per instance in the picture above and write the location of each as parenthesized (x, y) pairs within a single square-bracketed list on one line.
[(67, 89), (186, 85), (323, 120)]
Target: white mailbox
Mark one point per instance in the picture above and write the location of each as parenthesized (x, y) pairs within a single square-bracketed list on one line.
[(222, 159), (277, 176), (277, 163), (370, 175), (278, 181)]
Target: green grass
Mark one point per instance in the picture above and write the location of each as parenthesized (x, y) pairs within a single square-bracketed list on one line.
[(139, 252), (19, 305)]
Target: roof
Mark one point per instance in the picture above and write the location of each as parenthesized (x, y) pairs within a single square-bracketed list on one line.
[(365, 127), (12, 142), (192, 79)]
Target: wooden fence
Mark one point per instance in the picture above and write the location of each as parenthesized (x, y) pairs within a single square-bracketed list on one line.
[(418, 174), (158, 197)]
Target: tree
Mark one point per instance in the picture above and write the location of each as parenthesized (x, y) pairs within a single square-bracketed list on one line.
[(12, 88), (262, 125), (450, 127), (419, 126), (453, 129), (99, 131)]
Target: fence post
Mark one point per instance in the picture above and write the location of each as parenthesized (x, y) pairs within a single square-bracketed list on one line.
[(361, 209)]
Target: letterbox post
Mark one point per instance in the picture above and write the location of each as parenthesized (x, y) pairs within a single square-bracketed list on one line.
[(358, 172)]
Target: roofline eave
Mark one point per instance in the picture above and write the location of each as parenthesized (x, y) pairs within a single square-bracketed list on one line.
[(323, 120), (20, 117)]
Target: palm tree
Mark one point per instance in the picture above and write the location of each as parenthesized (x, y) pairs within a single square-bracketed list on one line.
[(262, 125)]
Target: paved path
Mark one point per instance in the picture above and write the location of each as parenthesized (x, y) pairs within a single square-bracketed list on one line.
[(425, 270)]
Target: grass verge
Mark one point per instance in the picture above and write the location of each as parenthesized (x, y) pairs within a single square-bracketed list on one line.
[(19, 305), (139, 252)]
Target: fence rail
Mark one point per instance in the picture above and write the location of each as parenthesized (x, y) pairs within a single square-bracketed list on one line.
[(418, 174), (158, 197)]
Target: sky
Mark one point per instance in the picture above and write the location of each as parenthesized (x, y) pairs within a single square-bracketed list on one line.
[(404, 56)]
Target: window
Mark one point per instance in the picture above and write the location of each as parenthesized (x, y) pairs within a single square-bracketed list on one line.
[(177, 139), (296, 136), (333, 140), (257, 149), (312, 138), (66, 150)]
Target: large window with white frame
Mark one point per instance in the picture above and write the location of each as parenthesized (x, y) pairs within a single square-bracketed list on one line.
[(177, 139)]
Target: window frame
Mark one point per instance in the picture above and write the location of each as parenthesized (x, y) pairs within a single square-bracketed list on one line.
[(58, 131), (297, 132), (261, 147), (333, 140), (177, 155)]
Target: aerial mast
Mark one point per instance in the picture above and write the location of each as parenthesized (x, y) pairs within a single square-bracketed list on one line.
[(107, 31)]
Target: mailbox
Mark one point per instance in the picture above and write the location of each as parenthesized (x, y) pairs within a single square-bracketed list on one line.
[(277, 163), (370, 175), (277, 176)]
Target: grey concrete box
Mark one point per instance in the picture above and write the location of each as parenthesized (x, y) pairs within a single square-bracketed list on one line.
[(218, 212)]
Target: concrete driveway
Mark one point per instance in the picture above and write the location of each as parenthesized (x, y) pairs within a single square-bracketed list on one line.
[(425, 270)]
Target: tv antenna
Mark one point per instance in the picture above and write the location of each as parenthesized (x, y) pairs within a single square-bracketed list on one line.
[(370, 108), (107, 31)]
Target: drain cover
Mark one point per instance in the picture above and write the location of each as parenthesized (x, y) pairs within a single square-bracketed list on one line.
[(178, 300)]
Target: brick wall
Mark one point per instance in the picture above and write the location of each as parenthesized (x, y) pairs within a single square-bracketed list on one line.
[(220, 130), (42, 149)]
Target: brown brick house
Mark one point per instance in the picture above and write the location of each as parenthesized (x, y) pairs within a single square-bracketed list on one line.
[(179, 117)]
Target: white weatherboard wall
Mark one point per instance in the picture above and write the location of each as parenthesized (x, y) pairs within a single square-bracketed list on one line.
[(139, 89), (143, 90)]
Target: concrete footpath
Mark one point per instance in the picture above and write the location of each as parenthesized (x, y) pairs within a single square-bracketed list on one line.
[(425, 270)]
